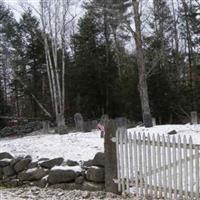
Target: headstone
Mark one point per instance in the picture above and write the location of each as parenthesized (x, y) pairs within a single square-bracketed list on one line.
[(147, 120), (78, 119), (45, 125), (154, 121), (194, 117), (121, 122)]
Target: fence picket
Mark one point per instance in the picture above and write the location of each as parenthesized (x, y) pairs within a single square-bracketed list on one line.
[(164, 163), (169, 169), (140, 163), (159, 166), (135, 163), (180, 166), (191, 168), (185, 167), (122, 160), (126, 160), (174, 167), (145, 164), (197, 172), (118, 160), (154, 165), (131, 157), (149, 164)]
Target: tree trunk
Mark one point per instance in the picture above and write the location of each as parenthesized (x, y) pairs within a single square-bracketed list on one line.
[(142, 86)]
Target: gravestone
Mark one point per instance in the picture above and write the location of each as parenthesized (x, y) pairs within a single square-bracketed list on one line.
[(79, 123), (45, 125), (154, 121), (194, 117), (121, 122)]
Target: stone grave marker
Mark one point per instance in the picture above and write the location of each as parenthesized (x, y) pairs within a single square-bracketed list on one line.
[(79, 123)]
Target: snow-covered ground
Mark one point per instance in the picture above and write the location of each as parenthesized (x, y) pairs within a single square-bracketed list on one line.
[(74, 146), (80, 146), (182, 130)]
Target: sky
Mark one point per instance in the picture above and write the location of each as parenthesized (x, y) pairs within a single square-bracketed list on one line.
[(17, 9)]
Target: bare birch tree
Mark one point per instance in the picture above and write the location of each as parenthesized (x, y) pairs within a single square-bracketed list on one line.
[(55, 17)]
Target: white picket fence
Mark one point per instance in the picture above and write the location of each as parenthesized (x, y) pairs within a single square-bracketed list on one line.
[(158, 166)]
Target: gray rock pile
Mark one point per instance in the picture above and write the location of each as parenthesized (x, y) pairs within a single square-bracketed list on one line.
[(55, 172)]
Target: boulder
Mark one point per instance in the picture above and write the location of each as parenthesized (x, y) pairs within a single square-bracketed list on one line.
[(99, 160), (72, 163), (4, 155), (32, 174), (22, 164), (8, 171), (51, 163), (96, 174), (5, 162), (61, 176)]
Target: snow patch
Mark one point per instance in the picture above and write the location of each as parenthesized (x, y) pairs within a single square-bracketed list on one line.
[(67, 168)]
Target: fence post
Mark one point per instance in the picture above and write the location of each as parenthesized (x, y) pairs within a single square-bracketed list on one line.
[(110, 158)]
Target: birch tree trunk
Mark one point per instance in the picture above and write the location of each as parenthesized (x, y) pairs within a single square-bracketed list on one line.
[(54, 17)]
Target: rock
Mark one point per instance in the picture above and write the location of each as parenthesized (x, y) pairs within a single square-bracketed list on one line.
[(79, 180), (61, 176), (172, 132), (71, 163), (33, 165), (96, 174), (32, 174), (16, 160), (51, 163), (8, 171), (89, 186), (4, 155), (99, 160), (5, 162), (22, 165), (88, 163), (41, 183)]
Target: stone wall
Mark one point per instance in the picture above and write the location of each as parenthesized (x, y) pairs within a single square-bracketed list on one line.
[(20, 130), (57, 173)]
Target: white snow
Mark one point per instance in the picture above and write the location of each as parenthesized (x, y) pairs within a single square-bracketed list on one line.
[(66, 168), (73, 146), (80, 146), (182, 130)]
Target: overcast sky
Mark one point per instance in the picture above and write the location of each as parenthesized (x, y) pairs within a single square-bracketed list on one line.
[(17, 9)]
